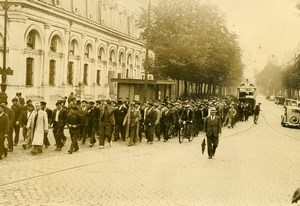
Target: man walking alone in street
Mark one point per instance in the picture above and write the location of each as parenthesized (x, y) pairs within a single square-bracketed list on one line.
[(256, 113), (212, 131)]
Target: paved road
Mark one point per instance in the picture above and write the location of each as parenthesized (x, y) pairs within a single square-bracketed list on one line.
[(254, 165)]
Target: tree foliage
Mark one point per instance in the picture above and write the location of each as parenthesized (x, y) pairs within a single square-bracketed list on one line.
[(291, 75), (191, 43), (270, 78)]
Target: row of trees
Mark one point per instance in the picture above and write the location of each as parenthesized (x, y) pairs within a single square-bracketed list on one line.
[(191, 43), (280, 80)]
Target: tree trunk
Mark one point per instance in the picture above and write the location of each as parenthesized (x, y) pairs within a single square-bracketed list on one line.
[(185, 88), (201, 87)]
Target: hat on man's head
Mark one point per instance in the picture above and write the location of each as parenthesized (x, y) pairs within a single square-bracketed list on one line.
[(15, 100), (150, 104), (91, 102), (43, 103), (30, 105), (29, 101), (213, 109), (98, 101), (58, 103), (84, 101), (2, 106), (120, 99), (156, 104), (74, 107)]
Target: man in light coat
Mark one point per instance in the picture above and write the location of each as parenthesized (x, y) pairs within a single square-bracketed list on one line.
[(38, 123), (131, 121)]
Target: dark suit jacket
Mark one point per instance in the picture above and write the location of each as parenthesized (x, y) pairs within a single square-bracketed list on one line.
[(151, 117), (62, 117), (120, 114), (49, 114), (23, 120), (212, 127), (111, 115)]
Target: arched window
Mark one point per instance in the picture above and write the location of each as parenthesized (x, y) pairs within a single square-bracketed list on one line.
[(73, 47), (101, 54), (121, 57), (129, 59), (31, 38), (137, 63), (88, 51), (112, 57)]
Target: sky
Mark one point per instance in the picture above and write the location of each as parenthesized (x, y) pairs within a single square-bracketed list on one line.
[(266, 29)]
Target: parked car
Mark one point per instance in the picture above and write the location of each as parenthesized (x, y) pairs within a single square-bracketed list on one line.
[(279, 100), (290, 102), (291, 116), (272, 98)]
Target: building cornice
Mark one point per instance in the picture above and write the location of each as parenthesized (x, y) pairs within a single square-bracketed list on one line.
[(68, 16)]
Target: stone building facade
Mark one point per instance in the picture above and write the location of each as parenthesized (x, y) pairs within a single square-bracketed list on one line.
[(60, 46)]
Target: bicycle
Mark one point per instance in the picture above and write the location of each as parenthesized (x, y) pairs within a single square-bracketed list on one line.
[(184, 131)]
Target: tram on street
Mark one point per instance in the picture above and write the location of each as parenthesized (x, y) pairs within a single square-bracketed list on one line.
[(246, 93)]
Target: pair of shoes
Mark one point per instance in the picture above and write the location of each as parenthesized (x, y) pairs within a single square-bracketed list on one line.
[(129, 145), (148, 141), (24, 146), (210, 157), (5, 152), (10, 150), (91, 145), (58, 149), (15, 144), (46, 146), (151, 142), (75, 150), (101, 147), (33, 152), (165, 140), (70, 151)]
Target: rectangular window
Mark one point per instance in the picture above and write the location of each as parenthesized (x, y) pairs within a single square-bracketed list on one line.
[(70, 73), (85, 74), (98, 77), (52, 72), (29, 71)]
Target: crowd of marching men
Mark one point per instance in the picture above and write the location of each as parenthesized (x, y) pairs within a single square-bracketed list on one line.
[(103, 120)]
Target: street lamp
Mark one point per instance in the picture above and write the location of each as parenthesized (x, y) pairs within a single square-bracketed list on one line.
[(4, 71)]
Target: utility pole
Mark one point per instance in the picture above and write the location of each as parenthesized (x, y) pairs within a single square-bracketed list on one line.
[(4, 71), (147, 55)]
